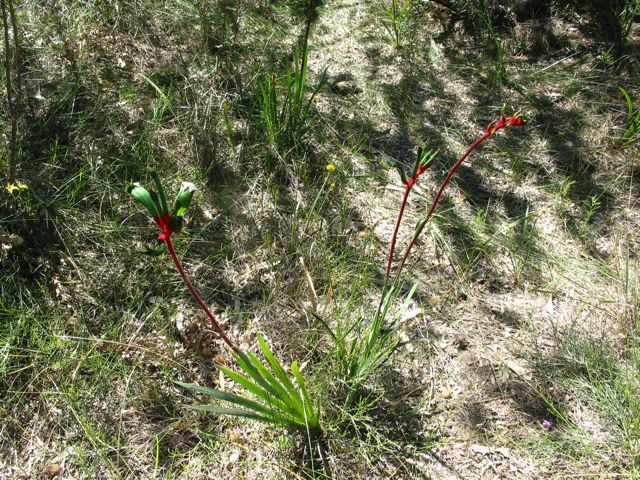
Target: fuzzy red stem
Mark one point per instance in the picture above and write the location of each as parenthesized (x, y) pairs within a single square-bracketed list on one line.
[(438, 195), (197, 297), (394, 238)]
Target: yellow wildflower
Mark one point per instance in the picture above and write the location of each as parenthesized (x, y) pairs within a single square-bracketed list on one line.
[(13, 187), (331, 168), (332, 186)]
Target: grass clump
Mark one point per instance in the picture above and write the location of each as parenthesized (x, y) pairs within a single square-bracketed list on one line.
[(607, 382), (397, 21), (631, 130)]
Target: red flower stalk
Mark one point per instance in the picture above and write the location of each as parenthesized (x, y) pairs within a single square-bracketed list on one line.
[(165, 237), (156, 204), (423, 162), (493, 127), (163, 224)]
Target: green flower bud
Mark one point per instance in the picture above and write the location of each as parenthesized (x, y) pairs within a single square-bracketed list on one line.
[(142, 195), (183, 199), (425, 158)]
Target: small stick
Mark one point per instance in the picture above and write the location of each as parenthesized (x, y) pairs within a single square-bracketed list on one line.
[(8, 83), (312, 291)]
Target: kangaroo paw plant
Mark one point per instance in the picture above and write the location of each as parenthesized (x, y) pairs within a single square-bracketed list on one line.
[(364, 347), (277, 399), (422, 163)]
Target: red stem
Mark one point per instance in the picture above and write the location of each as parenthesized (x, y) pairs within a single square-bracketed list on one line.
[(197, 297), (394, 238), (437, 198)]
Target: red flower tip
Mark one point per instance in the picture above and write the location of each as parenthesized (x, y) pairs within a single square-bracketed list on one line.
[(163, 223), (514, 120)]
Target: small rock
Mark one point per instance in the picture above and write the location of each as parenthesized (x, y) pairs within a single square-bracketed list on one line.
[(233, 459), (480, 277), (206, 352), (346, 87), (53, 470), (436, 55), (480, 449), (72, 321)]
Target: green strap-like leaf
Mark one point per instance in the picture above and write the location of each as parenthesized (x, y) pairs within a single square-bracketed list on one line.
[(259, 392), (235, 399), (279, 371), (629, 102), (246, 362), (273, 384), (312, 415), (256, 370), (280, 422)]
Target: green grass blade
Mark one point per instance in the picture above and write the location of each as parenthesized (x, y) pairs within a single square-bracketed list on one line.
[(326, 326), (158, 90)]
